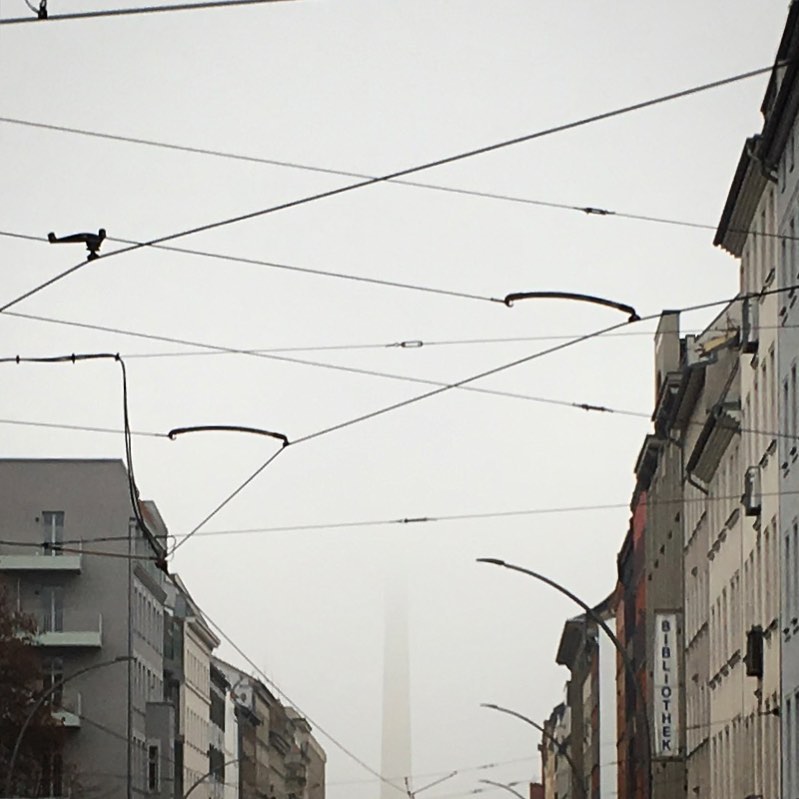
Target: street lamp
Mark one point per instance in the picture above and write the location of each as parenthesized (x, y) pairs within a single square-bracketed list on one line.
[(561, 749), (41, 700), (600, 622), (506, 787)]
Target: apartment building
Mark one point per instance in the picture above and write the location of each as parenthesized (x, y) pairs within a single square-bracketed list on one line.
[(557, 772), (308, 760), (217, 752), (279, 758), (632, 775), (757, 209), (191, 691), (81, 567), (590, 656), (777, 150)]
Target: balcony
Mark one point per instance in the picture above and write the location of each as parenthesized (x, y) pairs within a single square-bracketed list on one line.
[(70, 630), (35, 559), (68, 710)]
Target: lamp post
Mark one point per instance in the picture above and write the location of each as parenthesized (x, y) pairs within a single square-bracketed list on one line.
[(600, 622), (206, 776), (561, 749), (40, 701), (506, 787)]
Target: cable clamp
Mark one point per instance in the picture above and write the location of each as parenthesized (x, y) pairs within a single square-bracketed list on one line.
[(411, 345)]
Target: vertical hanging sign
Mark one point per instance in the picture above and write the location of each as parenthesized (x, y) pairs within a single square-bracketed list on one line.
[(666, 687)]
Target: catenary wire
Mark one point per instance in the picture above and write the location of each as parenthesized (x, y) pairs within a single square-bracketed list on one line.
[(303, 362), (120, 12), (583, 209), (80, 428), (282, 694), (285, 267), (430, 519), (439, 390), (131, 481), (486, 373), (545, 132)]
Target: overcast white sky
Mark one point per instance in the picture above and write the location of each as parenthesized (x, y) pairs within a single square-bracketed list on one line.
[(373, 87)]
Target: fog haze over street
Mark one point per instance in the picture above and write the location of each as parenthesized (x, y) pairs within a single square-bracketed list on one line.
[(370, 88)]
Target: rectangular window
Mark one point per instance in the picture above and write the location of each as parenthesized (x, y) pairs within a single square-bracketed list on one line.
[(52, 599), (794, 604), (53, 531), (153, 777)]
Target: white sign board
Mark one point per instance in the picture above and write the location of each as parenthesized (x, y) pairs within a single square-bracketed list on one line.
[(666, 718)]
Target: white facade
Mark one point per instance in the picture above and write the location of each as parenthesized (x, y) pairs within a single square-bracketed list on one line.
[(745, 733), (787, 193), (196, 705)]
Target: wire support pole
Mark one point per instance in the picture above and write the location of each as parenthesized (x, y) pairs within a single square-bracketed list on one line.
[(600, 622), (561, 748), (126, 12), (39, 702)]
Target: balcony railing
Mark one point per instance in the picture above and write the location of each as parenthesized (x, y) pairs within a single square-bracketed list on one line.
[(68, 709), (44, 559), (73, 629)]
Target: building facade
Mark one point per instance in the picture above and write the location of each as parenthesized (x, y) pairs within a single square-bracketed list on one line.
[(99, 612), (193, 709)]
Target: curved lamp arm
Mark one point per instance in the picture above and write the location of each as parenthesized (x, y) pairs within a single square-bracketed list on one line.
[(562, 750), (628, 664), (206, 776), (40, 701)]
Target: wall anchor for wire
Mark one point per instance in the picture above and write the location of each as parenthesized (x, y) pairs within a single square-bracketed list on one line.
[(91, 240)]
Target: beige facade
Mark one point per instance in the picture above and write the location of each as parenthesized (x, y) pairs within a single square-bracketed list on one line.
[(744, 600), (198, 642)]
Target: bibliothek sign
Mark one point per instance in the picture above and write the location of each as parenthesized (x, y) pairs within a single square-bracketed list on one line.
[(666, 717)]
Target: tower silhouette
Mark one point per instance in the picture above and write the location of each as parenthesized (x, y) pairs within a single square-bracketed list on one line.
[(396, 743)]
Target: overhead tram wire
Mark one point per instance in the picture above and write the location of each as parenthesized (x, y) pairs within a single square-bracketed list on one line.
[(427, 519), (131, 481), (122, 12), (473, 378), (283, 695), (587, 210), (539, 134)]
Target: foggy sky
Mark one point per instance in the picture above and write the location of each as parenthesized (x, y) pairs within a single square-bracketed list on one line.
[(372, 87)]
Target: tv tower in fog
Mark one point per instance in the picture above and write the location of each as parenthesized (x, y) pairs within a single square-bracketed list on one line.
[(396, 751)]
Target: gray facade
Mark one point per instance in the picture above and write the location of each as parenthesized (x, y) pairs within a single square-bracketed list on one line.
[(91, 609)]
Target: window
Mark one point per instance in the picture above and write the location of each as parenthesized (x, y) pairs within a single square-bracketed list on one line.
[(153, 777), (794, 602), (53, 530), (52, 675), (52, 604)]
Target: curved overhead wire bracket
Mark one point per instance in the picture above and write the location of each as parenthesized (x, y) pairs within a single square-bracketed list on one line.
[(568, 295), (226, 428)]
